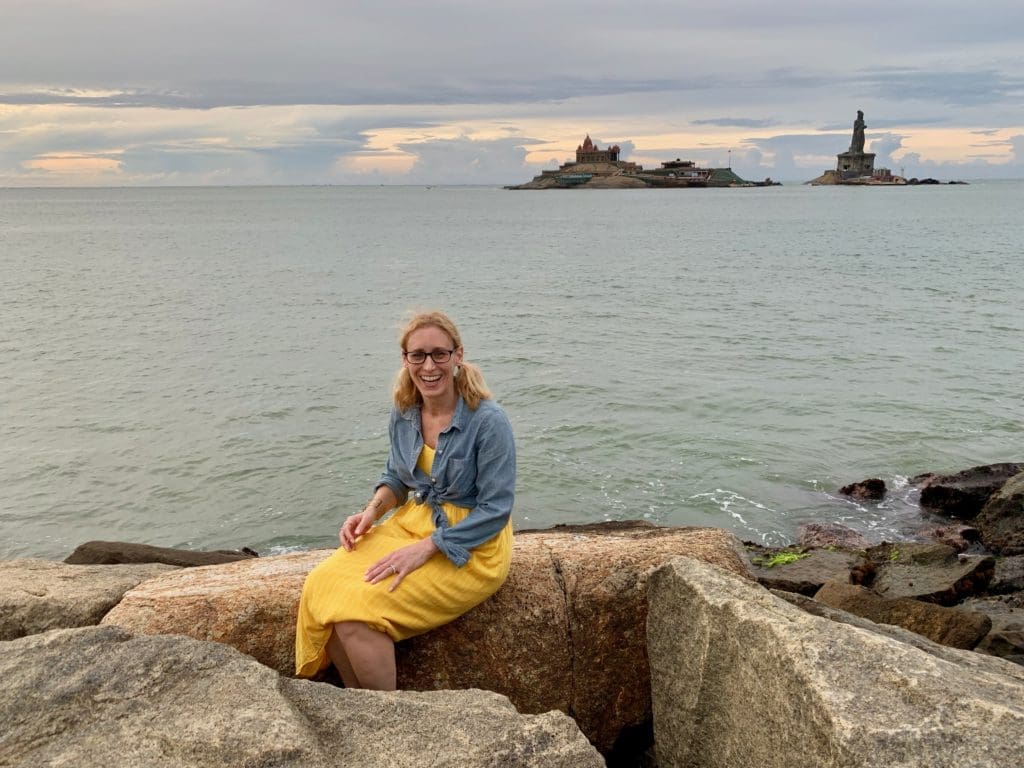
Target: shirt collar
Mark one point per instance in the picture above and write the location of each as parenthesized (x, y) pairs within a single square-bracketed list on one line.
[(459, 418)]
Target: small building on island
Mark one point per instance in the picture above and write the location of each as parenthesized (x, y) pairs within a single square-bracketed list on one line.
[(597, 168)]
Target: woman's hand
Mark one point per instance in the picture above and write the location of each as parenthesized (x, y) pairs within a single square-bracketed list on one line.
[(401, 562), (361, 522), (355, 526)]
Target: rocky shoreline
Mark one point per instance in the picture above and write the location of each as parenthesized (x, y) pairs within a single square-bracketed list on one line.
[(617, 644)]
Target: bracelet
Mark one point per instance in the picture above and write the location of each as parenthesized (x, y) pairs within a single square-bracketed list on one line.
[(373, 506)]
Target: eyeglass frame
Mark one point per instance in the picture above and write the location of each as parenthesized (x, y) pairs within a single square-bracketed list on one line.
[(447, 353)]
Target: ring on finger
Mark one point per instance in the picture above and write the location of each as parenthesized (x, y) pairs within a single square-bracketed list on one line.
[(393, 569)]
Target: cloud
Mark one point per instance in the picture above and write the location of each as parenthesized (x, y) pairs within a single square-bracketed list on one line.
[(465, 161), (320, 92), (736, 122), (952, 88)]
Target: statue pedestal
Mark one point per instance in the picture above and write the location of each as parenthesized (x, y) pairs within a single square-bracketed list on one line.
[(850, 165)]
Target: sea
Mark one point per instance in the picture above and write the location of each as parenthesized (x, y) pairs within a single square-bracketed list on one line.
[(212, 367)]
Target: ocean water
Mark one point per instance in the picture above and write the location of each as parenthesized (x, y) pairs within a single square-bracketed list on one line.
[(212, 367)]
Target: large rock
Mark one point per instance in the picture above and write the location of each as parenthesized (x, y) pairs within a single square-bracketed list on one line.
[(958, 536), (1001, 520), (100, 697), (807, 573), (1006, 637), (962, 495), (114, 552), (965, 659), (37, 595), (741, 677), (931, 572), (835, 535), (600, 573), (565, 632), (248, 604), (1009, 575), (872, 489), (954, 627)]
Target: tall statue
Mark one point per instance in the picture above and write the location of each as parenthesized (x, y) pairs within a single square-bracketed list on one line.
[(857, 144)]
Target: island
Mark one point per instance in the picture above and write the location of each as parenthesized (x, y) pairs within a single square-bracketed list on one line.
[(596, 168)]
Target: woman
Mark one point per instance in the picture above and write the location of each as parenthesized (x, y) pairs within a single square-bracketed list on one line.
[(451, 473)]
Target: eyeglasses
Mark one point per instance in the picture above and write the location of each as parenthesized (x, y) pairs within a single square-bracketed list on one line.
[(418, 356)]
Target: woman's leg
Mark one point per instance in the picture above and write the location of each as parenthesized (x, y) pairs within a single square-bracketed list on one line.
[(336, 653), (371, 655)]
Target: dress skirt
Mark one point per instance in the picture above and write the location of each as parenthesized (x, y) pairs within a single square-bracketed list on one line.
[(434, 594)]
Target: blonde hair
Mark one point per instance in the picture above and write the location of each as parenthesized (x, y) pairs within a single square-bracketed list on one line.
[(469, 382)]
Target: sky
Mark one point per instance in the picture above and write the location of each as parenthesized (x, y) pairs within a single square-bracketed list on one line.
[(240, 92)]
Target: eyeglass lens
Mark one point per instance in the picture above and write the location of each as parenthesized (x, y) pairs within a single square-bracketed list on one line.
[(418, 356)]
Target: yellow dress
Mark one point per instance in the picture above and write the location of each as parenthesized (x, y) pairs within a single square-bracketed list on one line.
[(434, 594)]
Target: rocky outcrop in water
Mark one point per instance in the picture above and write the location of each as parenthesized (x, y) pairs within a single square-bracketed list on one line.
[(1001, 520), (963, 494), (952, 564), (114, 552)]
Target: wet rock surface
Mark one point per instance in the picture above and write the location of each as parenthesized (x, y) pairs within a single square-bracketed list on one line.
[(1001, 520), (954, 627), (931, 572), (118, 552), (872, 489), (963, 494)]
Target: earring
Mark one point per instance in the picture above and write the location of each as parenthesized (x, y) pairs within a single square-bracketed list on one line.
[(455, 373)]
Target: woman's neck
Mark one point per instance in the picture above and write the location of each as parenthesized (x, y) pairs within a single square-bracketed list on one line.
[(441, 406)]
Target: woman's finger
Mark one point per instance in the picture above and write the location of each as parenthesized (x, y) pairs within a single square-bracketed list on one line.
[(380, 571), (348, 538)]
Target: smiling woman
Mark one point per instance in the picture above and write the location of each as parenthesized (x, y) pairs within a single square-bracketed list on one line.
[(447, 548)]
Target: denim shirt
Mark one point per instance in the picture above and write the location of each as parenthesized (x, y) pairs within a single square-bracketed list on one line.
[(474, 467)]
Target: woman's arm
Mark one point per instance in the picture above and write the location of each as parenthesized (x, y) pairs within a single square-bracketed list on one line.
[(391, 476), (495, 484)]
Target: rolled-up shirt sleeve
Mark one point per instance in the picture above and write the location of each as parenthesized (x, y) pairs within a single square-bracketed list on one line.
[(495, 491)]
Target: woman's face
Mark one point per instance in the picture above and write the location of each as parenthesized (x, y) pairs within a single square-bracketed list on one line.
[(434, 380)]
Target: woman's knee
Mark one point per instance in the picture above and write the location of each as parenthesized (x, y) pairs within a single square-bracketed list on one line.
[(360, 632), (348, 630)]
